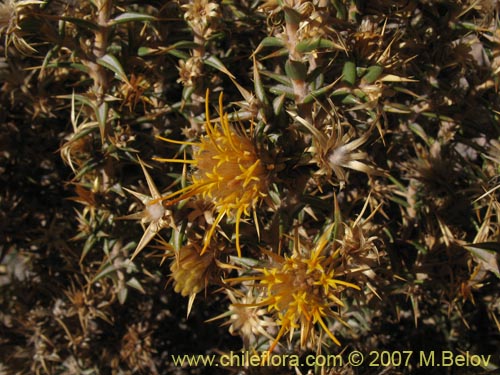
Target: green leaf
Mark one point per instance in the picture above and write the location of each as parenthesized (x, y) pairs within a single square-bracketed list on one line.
[(79, 98), (131, 17), (373, 73), (173, 49), (349, 72), (258, 85), (87, 167), (317, 93), (111, 62), (134, 283), (102, 118), (270, 41), (122, 295), (341, 92), (110, 268), (292, 17), (351, 99), (82, 23), (277, 77), (397, 108), (89, 244), (279, 53), (67, 64), (418, 130), (296, 70), (309, 45), (341, 9), (278, 104), (187, 91), (145, 51), (214, 62), (179, 54), (282, 89)]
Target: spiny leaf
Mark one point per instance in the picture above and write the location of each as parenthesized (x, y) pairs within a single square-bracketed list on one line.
[(134, 283), (172, 49), (102, 117), (110, 62), (79, 98), (214, 62), (320, 92), (258, 85), (270, 41), (278, 104), (282, 89), (67, 64), (486, 254)]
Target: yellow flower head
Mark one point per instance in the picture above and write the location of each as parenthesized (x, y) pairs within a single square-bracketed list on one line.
[(190, 270), (227, 171), (302, 290)]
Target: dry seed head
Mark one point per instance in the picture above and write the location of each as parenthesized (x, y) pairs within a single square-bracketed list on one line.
[(137, 349), (228, 172), (9, 23), (7, 14), (337, 151), (201, 16), (247, 319), (333, 150), (154, 213), (355, 247), (132, 91), (190, 70), (315, 25)]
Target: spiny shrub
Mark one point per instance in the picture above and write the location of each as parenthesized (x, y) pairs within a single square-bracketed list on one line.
[(280, 176)]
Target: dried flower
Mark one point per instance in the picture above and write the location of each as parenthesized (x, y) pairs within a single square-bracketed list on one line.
[(7, 14), (336, 151), (137, 349), (154, 212), (132, 91), (247, 318), (228, 171), (9, 23), (201, 14), (190, 70)]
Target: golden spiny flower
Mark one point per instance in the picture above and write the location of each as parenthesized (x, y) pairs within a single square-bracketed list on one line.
[(303, 290), (228, 171)]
